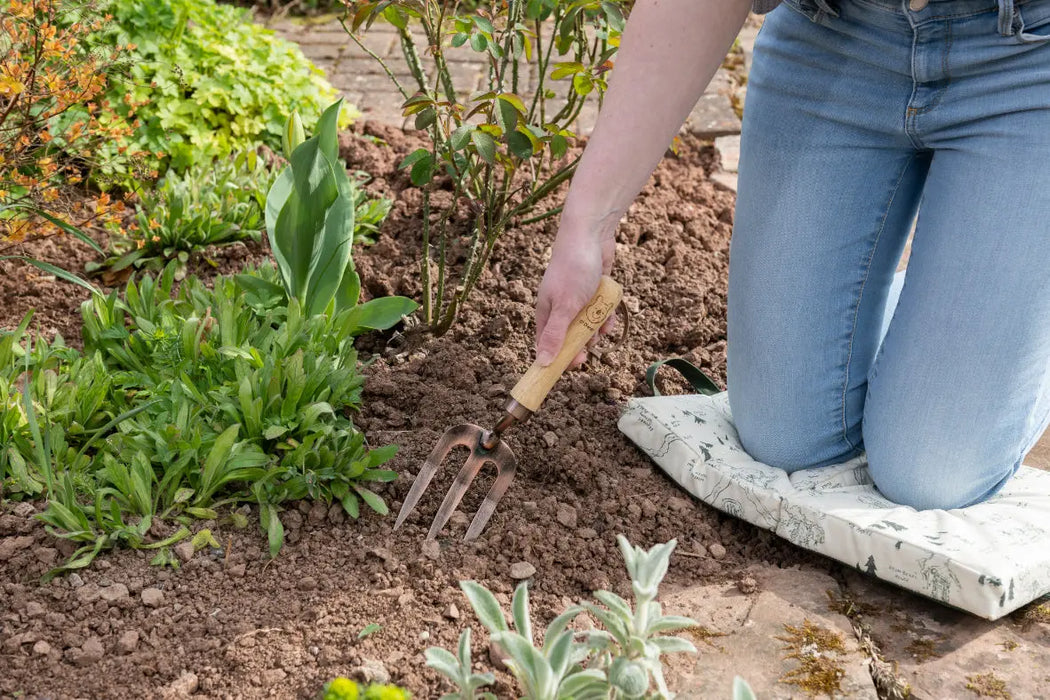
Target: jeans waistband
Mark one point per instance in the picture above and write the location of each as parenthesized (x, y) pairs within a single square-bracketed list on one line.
[(1010, 22)]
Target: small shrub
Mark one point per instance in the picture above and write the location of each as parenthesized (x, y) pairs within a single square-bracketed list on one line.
[(209, 82), (54, 119), (503, 149)]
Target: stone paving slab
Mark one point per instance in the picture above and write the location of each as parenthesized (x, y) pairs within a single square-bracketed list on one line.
[(945, 653), (784, 627)]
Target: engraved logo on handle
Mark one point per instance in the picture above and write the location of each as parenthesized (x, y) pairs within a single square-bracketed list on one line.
[(596, 312)]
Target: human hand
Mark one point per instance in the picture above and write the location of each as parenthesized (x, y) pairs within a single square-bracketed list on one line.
[(577, 263)]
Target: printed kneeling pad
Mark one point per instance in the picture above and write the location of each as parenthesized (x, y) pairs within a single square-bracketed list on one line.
[(987, 559)]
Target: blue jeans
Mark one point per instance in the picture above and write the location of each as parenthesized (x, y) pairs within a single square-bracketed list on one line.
[(861, 113)]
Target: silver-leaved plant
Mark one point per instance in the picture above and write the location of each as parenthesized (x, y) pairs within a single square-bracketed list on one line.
[(459, 669), (620, 662)]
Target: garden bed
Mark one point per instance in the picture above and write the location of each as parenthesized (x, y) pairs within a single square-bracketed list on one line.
[(246, 626)]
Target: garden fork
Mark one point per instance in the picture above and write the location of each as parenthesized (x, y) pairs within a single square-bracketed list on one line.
[(487, 446)]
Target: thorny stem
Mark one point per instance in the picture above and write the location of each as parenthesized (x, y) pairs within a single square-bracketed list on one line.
[(424, 263), (375, 56)]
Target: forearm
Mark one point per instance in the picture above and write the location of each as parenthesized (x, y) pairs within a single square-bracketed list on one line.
[(669, 53)]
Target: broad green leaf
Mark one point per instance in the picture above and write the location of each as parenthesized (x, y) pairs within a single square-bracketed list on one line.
[(331, 256), (520, 609), (478, 42), (485, 144), (216, 461), (203, 539), (560, 654), (460, 137), (485, 605), (426, 118), (381, 455), (564, 70), (537, 672), (327, 133), (444, 663), (274, 529), (515, 102), (672, 645), (506, 115), (520, 145), (741, 690), (670, 623), (381, 313), (372, 499), (349, 292), (351, 505)]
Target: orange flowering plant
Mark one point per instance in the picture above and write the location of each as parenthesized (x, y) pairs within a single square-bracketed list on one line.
[(52, 120)]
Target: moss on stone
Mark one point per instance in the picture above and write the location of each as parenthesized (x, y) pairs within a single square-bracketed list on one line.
[(817, 650), (988, 685)]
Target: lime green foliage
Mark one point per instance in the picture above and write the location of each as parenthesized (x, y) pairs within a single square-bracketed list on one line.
[(178, 405), (346, 689), (215, 83), (310, 219), (505, 149), (621, 661)]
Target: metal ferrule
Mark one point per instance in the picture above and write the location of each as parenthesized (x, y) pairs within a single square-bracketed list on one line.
[(515, 414)]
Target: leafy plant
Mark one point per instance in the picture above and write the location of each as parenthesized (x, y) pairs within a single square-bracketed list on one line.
[(205, 83), (632, 643), (504, 150), (49, 71), (621, 661), (346, 689), (182, 403), (741, 690), (310, 215), (211, 204), (460, 670)]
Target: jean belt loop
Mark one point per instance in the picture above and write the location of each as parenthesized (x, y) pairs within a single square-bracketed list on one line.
[(1007, 14), (827, 6)]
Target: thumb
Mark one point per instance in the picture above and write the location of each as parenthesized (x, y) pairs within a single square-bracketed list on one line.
[(553, 335)]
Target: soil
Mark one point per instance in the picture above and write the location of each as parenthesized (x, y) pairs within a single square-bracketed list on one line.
[(231, 623)]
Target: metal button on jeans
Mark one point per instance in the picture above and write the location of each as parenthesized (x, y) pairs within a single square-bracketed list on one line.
[(918, 5)]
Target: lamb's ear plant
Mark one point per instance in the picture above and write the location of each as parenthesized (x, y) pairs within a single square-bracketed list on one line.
[(503, 149), (621, 661), (459, 669), (632, 642)]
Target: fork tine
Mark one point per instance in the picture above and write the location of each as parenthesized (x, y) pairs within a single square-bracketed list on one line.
[(506, 468), (455, 493), (453, 437)]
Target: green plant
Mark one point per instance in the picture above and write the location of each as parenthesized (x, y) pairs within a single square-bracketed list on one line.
[(47, 72), (459, 669), (346, 689), (205, 83), (310, 215), (741, 690), (181, 404), (621, 661), (211, 204), (504, 150)]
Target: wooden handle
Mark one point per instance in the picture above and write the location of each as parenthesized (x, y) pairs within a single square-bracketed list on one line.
[(532, 389)]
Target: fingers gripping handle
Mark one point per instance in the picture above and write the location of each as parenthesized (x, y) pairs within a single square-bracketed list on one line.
[(532, 389)]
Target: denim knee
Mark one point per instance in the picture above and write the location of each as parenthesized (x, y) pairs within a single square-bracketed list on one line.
[(788, 436), (927, 467)]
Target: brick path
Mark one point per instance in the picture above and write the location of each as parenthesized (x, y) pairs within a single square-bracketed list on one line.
[(362, 81)]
